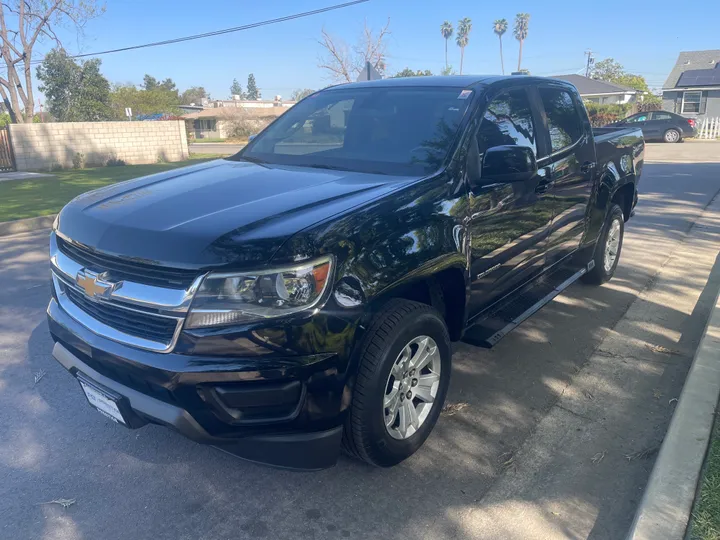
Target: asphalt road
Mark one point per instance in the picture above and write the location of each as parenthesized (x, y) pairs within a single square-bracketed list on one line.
[(212, 148), (152, 483)]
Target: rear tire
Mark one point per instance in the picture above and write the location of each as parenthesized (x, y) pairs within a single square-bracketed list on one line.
[(672, 136), (386, 373), (608, 248)]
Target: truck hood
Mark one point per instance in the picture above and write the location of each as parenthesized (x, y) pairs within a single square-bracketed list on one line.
[(216, 213)]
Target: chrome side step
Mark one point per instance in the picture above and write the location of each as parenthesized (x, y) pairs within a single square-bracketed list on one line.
[(501, 320)]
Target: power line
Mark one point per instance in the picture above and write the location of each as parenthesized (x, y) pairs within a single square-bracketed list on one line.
[(218, 32)]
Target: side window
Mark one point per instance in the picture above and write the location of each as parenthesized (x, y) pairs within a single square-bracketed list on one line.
[(507, 121), (661, 116), (564, 122), (637, 118)]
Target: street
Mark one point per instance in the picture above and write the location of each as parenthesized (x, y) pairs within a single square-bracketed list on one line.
[(497, 464), (223, 149)]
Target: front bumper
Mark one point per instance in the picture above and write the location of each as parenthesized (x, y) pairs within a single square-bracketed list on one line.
[(284, 412)]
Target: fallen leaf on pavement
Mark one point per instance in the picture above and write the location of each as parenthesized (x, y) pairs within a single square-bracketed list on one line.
[(452, 408), (65, 503), (657, 393), (643, 454), (597, 458), (661, 349), (39, 375)]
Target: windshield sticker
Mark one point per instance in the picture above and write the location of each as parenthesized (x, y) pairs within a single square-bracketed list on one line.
[(465, 94)]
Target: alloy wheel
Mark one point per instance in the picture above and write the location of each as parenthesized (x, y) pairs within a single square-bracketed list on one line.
[(412, 387)]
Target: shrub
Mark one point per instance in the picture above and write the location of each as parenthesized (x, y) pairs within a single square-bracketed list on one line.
[(244, 127), (115, 162), (56, 167), (78, 160), (601, 115)]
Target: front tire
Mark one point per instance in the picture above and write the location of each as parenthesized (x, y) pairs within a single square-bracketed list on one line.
[(672, 136), (403, 378), (608, 248)]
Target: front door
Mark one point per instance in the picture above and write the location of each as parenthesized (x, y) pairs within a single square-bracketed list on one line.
[(508, 223), (572, 162), (639, 120), (657, 125)]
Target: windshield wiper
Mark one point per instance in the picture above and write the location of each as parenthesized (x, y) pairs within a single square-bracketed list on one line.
[(323, 166), (252, 159)]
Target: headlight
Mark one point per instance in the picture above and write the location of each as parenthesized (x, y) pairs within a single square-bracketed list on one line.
[(224, 299)]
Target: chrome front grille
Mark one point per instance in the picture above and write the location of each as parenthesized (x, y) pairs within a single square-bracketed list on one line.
[(135, 313), (135, 323)]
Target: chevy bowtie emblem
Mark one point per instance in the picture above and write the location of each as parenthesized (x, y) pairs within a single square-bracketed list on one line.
[(93, 285)]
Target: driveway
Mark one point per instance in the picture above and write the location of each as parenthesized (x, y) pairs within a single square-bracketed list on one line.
[(498, 461)]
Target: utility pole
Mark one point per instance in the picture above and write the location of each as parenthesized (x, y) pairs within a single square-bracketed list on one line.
[(590, 62)]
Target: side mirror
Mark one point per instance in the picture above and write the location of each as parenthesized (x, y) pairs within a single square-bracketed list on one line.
[(503, 164)]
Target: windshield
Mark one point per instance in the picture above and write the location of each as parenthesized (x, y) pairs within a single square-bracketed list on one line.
[(398, 131)]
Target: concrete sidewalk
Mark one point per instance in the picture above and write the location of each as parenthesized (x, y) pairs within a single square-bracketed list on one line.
[(588, 438), (666, 506)]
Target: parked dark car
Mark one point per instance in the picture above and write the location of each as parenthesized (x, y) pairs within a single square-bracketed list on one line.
[(303, 294), (660, 125)]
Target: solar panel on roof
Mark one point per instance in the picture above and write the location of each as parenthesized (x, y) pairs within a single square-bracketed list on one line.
[(699, 77)]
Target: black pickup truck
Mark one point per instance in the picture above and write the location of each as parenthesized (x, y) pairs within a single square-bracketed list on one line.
[(302, 295)]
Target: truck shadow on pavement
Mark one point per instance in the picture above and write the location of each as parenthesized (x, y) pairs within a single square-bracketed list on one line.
[(473, 472)]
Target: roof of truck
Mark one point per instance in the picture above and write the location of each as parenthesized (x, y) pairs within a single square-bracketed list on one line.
[(450, 81)]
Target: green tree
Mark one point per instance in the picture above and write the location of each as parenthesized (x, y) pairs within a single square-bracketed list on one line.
[(151, 83), (448, 71), (463, 37), (236, 89), (522, 26), (500, 26), (607, 70), (407, 72), (252, 89), (301, 93), (194, 94), (75, 92), (158, 100), (446, 29)]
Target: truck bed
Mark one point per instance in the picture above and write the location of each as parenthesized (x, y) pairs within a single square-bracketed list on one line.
[(612, 142)]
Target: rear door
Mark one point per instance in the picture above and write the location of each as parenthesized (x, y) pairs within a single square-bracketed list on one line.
[(571, 159), (508, 222)]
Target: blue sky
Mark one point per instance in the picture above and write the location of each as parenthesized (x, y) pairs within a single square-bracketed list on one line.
[(284, 56)]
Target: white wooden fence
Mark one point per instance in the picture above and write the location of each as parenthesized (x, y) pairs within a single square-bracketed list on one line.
[(708, 128)]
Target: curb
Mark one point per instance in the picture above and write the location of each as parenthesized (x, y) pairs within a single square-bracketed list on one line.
[(664, 511), (26, 225)]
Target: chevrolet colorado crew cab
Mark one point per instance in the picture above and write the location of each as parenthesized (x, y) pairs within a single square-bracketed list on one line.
[(302, 295)]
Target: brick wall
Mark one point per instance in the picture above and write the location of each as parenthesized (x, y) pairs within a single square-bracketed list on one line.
[(42, 146)]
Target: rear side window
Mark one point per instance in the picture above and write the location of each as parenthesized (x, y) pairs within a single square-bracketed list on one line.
[(507, 122), (662, 116), (564, 122)]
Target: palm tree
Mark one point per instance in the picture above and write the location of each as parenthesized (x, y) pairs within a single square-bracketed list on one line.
[(500, 27), (463, 36), (446, 29), (520, 32)]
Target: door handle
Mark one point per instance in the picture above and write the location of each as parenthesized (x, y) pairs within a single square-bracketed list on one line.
[(588, 166), (543, 186)]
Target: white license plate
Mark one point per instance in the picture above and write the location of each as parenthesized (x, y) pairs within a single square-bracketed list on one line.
[(102, 403)]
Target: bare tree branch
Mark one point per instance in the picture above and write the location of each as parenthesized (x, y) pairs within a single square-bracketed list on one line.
[(344, 63), (35, 20)]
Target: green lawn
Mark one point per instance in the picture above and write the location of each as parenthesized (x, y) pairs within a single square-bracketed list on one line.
[(705, 524), (30, 198)]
